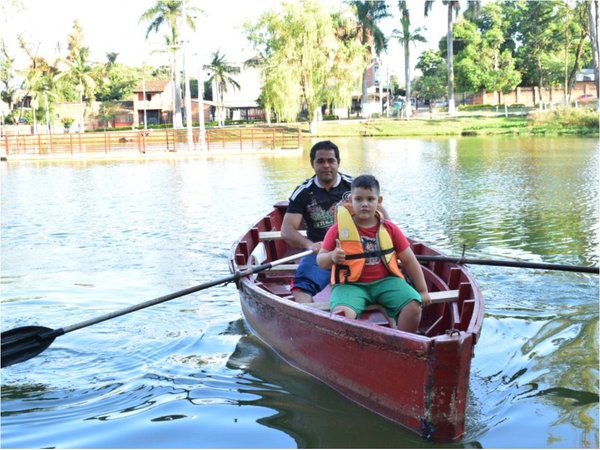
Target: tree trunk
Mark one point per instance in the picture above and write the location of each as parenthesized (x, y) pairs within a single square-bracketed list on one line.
[(177, 119), (408, 111), (575, 69), (365, 95), (594, 17), (450, 60)]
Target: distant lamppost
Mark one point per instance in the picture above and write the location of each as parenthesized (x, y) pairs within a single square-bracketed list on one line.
[(144, 94), (202, 128), (186, 76)]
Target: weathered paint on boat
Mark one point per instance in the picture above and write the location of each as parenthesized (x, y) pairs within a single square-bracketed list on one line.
[(417, 380)]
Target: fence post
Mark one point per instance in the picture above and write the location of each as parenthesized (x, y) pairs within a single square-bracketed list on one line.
[(299, 138), (241, 138), (71, 142), (39, 144), (6, 143)]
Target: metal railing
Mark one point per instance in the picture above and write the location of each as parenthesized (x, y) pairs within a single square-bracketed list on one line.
[(153, 141)]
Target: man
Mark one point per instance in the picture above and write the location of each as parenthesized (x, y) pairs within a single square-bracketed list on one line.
[(314, 201)]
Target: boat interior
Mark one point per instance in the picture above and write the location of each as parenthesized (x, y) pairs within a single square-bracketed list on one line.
[(453, 301)]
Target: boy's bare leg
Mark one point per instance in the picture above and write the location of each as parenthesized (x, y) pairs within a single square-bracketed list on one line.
[(410, 317), (302, 297), (345, 311)]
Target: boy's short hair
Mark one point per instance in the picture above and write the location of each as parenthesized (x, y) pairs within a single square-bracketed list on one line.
[(324, 145), (366, 182)]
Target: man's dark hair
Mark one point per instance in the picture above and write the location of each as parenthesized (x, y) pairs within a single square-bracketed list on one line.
[(366, 182), (324, 145)]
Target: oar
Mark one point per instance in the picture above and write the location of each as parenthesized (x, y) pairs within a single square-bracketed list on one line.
[(23, 343), (497, 262)]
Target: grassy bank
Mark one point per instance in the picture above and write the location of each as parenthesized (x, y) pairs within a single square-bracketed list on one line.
[(584, 123)]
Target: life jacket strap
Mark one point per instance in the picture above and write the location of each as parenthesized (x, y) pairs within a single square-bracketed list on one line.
[(375, 254), (338, 269)]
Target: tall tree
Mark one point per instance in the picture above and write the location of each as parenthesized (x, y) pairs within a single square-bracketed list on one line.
[(431, 84), (305, 63), (221, 72), (169, 13), (453, 7), (405, 36), (483, 61), (77, 68), (593, 10), (368, 14)]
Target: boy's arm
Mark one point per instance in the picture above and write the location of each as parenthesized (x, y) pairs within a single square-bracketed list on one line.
[(415, 272), (326, 258)]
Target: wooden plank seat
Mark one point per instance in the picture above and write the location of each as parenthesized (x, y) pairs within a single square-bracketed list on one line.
[(377, 314), (274, 235)]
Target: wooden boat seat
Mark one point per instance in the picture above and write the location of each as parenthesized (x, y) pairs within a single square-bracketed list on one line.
[(378, 315), (274, 235)]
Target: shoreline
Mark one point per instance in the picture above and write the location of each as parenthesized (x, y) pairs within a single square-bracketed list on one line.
[(148, 156)]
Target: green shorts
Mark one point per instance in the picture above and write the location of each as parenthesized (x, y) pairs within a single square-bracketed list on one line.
[(393, 293)]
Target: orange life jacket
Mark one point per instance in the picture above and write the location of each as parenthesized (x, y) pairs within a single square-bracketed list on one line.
[(351, 243)]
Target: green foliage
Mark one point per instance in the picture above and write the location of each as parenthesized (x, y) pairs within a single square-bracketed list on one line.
[(307, 57), (67, 122), (432, 84), (566, 118)]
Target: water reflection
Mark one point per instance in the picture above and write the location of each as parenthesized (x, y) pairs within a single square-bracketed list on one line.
[(86, 238), (313, 414)]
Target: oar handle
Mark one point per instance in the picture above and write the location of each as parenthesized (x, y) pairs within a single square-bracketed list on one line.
[(234, 277), (519, 264)]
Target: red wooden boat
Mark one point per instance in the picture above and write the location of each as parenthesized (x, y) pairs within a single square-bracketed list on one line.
[(419, 380)]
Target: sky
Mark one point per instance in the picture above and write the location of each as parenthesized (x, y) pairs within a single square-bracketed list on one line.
[(113, 26)]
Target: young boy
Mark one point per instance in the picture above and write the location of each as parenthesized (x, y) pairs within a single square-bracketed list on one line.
[(362, 250)]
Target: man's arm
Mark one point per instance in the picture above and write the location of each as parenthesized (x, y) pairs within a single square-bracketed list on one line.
[(289, 232)]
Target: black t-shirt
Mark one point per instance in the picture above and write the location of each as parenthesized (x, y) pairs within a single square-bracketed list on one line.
[(317, 205)]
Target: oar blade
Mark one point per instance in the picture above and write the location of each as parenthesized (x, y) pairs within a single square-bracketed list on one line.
[(23, 343)]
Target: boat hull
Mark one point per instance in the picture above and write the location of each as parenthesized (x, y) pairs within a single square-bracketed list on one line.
[(418, 382)]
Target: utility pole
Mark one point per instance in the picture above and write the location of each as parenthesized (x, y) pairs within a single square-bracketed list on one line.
[(202, 130), (186, 75)]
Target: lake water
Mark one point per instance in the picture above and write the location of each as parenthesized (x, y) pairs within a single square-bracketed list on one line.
[(82, 239)]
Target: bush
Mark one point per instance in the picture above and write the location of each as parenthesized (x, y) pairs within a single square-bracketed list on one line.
[(566, 118)]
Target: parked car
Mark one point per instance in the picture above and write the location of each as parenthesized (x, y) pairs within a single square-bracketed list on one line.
[(586, 98)]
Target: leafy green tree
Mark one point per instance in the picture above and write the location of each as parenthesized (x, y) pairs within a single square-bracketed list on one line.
[(307, 58), (537, 29), (221, 72), (593, 30), (368, 14), (114, 80), (432, 84), (9, 91), (169, 14), (406, 36), (77, 69), (453, 7), (483, 63), (109, 111), (38, 84)]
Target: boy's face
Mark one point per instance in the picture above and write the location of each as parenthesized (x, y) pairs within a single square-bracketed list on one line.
[(365, 202)]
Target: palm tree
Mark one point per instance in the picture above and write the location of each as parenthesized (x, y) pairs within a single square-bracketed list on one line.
[(453, 9), (406, 36), (368, 13), (221, 72), (169, 13), (80, 71)]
